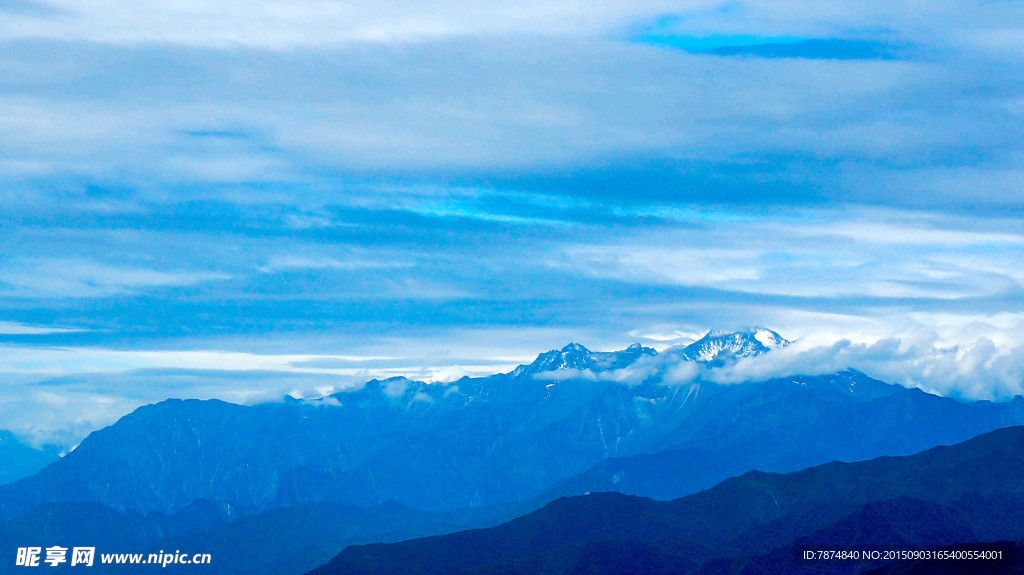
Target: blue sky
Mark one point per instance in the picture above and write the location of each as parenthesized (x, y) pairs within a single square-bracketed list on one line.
[(246, 199)]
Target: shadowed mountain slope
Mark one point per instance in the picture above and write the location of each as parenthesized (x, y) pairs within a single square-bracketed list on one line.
[(926, 498)]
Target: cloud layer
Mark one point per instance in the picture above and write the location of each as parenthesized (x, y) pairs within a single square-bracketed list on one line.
[(460, 185)]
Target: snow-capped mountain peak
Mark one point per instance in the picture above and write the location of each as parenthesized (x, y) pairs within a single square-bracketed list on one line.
[(717, 347)]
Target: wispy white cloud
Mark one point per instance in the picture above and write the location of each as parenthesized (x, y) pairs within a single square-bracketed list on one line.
[(684, 265), (666, 336), (279, 24), (79, 278), (15, 328), (64, 360), (874, 254), (325, 261), (905, 231)]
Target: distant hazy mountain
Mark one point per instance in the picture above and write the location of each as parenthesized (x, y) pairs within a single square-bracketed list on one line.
[(17, 459), (500, 439), (971, 491)]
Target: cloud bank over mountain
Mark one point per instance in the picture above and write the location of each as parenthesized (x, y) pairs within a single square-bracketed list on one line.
[(74, 405)]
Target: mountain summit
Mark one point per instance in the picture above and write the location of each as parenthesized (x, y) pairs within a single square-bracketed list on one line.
[(718, 347)]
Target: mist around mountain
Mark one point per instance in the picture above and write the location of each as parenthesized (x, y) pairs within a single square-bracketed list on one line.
[(18, 459), (968, 492), (399, 459)]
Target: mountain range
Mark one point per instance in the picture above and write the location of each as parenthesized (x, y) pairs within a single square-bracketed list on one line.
[(440, 457)]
